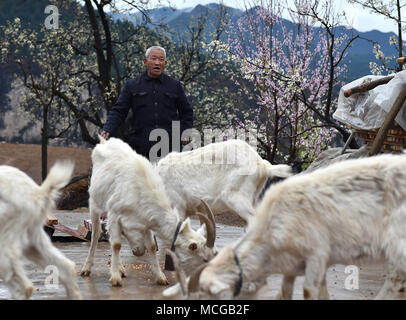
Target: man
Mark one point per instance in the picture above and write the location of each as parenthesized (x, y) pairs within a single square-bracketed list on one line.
[(156, 101)]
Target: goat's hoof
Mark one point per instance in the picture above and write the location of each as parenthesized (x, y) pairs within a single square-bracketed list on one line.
[(85, 272), (122, 273), (76, 295), (162, 282), (28, 292), (116, 281)]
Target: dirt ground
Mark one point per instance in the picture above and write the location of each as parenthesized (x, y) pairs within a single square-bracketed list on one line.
[(27, 157)]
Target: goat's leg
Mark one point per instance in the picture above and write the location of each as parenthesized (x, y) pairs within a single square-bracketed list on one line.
[(323, 294), (156, 269), (240, 206), (43, 253), (22, 287), (116, 268), (394, 282), (286, 292), (96, 231), (12, 272), (251, 288), (314, 276), (396, 254)]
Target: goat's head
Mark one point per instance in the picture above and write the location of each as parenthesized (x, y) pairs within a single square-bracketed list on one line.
[(194, 248), (218, 279)]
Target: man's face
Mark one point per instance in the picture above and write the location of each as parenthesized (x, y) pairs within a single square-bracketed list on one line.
[(155, 63)]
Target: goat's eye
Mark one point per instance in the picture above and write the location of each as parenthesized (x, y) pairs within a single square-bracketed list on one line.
[(192, 246)]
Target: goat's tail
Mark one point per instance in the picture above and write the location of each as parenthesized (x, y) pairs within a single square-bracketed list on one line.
[(278, 170), (58, 177)]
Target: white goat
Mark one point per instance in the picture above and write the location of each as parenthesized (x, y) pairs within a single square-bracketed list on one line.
[(228, 176), (23, 210), (125, 188), (350, 211)]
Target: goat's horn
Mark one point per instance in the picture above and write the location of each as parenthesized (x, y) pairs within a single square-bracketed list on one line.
[(210, 215), (210, 228), (193, 285), (180, 274), (208, 211)]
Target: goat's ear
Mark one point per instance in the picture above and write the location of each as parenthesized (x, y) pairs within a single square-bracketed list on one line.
[(185, 226), (193, 246), (202, 230)]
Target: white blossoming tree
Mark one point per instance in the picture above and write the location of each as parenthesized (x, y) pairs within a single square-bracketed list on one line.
[(74, 73), (392, 11)]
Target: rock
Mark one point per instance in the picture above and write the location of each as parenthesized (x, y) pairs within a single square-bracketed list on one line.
[(334, 155), (75, 194)]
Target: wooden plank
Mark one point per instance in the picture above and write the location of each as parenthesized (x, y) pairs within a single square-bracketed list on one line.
[(88, 226), (367, 86), (84, 232), (51, 219), (65, 229), (390, 118), (401, 60)]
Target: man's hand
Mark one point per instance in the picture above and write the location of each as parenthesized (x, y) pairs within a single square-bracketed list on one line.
[(105, 134)]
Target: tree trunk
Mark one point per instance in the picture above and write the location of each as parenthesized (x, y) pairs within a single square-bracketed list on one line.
[(400, 37), (44, 143), (390, 118)]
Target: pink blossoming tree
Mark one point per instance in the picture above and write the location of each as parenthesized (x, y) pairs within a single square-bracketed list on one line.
[(288, 70)]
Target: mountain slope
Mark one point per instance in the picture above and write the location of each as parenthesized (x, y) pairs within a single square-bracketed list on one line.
[(357, 60)]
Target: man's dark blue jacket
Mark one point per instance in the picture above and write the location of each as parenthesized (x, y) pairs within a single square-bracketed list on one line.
[(155, 103)]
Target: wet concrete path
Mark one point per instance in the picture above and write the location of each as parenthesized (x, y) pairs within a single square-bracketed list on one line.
[(139, 285)]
